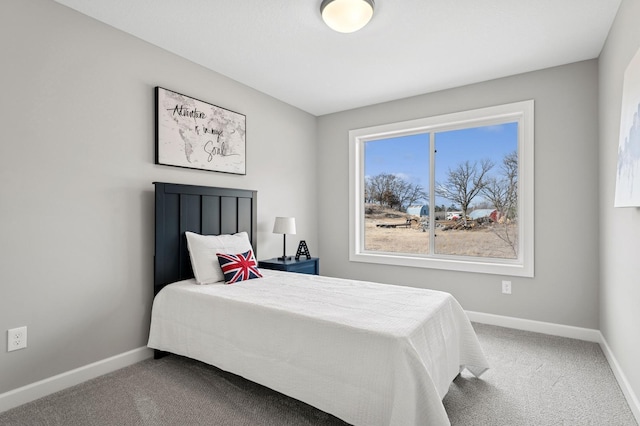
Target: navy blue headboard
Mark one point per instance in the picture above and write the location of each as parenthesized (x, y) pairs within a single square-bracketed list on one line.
[(200, 209)]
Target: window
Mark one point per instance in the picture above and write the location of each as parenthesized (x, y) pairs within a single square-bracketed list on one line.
[(448, 192)]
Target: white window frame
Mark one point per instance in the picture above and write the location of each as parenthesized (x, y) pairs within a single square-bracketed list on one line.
[(523, 266)]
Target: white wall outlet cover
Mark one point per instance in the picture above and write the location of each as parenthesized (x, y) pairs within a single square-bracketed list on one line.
[(16, 338)]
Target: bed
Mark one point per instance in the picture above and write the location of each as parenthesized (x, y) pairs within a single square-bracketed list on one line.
[(368, 353)]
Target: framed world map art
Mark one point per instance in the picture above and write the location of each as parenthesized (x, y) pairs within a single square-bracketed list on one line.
[(628, 172), (197, 135)]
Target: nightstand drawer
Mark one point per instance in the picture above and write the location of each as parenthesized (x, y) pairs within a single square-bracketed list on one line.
[(302, 266)]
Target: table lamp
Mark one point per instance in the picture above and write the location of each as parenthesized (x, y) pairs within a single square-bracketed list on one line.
[(284, 225)]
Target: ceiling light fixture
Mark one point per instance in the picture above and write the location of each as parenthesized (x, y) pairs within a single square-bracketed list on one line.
[(346, 16)]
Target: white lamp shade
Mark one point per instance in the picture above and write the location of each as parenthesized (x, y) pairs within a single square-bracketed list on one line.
[(284, 225), (346, 16)]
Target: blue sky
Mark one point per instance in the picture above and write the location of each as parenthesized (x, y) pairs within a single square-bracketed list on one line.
[(408, 156)]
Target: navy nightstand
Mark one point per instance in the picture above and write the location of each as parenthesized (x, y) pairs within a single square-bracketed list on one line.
[(303, 266)]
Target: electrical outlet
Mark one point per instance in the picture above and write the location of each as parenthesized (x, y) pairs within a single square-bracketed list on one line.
[(16, 338), (506, 287)]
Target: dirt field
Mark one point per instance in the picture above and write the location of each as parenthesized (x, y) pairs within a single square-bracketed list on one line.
[(480, 241)]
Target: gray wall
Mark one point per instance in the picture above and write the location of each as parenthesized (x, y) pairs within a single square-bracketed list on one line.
[(76, 173), (565, 287), (619, 227)]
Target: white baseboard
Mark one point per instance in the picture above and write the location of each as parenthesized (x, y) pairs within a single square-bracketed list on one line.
[(588, 334), (579, 333), (62, 381), (629, 394)]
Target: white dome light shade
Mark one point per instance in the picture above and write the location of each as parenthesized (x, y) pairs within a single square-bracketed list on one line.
[(346, 16)]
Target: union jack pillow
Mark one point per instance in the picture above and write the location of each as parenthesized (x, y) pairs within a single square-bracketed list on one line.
[(238, 267)]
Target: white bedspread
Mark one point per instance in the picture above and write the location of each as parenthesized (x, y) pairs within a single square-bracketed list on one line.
[(371, 354)]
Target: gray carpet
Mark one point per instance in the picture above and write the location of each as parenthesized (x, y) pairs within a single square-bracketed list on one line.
[(538, 379), (535, 380)]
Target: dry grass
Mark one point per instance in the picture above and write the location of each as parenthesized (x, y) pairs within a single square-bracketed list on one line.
[(480, 241)]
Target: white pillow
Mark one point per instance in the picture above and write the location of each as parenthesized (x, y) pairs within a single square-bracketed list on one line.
[(203, 249)]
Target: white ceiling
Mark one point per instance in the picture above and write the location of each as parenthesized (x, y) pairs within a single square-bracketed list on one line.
[(410, 47)]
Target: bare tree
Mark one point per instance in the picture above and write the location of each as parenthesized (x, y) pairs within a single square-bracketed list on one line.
[(376, 187), (390, 198), (409, 194), (393, 191), (497, 193), (510, 171), (464, 183), (503, 194)]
